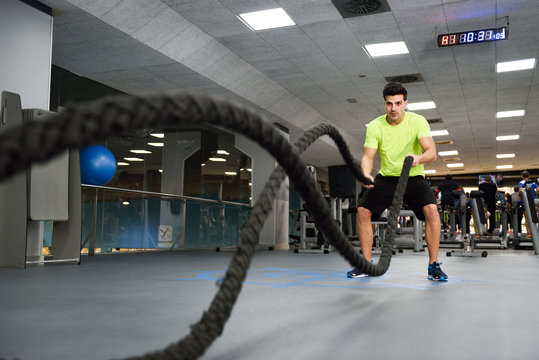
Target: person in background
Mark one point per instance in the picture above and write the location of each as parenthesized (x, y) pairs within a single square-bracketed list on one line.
[(447, 199), (489, 190), (516, 198), (526, 181)]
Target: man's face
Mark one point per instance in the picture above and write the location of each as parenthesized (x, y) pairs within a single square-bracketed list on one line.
[(395, 105)]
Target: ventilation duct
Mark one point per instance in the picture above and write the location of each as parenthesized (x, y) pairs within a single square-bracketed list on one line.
[(405, 79), (353, 8), (444, 142)]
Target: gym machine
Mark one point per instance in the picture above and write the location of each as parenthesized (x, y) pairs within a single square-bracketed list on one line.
[(531, 217), (405, 241), (310, 239), (47, 191), (449, 237), (499, 238), (468, 241)]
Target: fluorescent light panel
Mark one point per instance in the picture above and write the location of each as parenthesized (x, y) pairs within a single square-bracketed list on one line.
[(156, 144), (504, 166), (267, 19), (511, 113), (133, 159), (507, 137), (430, 171), (515, 65), (223, 152), (504, 156), (231, 173), (121, 163), (140, 151), (454, 165), (386, 49), (158, 135), (217, 159), (439, 133), (425, 105), (448, 153)]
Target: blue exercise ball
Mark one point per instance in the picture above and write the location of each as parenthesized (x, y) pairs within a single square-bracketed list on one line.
[(97, 165)]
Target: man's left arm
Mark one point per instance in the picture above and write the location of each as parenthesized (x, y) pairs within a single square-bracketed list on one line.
[(429, 151)]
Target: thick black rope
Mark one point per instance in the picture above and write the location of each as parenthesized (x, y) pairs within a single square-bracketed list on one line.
[(87, 123)]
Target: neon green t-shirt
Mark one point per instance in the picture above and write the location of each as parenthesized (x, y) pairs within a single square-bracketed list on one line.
[(394, 142)]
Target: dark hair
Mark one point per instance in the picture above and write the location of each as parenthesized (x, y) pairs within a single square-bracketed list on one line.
[(525, 174), (392, 89), (516, 188), (449, 177)]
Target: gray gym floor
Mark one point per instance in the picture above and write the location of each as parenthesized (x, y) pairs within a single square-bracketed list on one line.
[(293, 306)]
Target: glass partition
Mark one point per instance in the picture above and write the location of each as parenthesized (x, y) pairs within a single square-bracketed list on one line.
[(127, 220)]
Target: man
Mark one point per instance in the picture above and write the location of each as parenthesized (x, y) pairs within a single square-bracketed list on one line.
[(446, 189), (527, 182), (489, 190), (516, 198), (396, 135)]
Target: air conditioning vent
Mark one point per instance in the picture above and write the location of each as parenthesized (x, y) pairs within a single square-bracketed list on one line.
[(405, 79), (352, 8), (444, 142), (434, 121)]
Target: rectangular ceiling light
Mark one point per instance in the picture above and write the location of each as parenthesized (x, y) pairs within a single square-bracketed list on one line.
[(515, 65), (156, 144), (133, 159), (386, 49), (122, 163), (511, 113), (504, 166), (421, 105), (430, 171), (454, 165), (158, 135), (504, 156), (140, 151), (266, 19), (439, 133), (230, 173), (507, 137), (448, 153), (216, 159)]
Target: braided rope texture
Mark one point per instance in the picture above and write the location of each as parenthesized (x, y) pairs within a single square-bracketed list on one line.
[(87, 123)]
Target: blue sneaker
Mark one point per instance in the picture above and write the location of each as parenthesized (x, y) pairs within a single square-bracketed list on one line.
[(356, 273), (436, 273)]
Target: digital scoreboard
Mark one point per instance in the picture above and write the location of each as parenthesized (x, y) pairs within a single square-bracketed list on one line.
[(472, 37)]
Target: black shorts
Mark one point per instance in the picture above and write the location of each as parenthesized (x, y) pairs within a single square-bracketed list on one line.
[(418, 194)]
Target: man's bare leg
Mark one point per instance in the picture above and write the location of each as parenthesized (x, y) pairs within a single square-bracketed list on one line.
[(364, 231), (432, 231)]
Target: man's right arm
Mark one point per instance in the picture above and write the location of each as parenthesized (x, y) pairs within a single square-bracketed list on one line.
[(367, 162)]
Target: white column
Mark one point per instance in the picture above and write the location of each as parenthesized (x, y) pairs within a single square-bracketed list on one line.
[(275, 231), (26, 38)]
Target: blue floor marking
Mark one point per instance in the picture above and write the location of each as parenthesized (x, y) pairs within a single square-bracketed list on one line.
[(279, 278)]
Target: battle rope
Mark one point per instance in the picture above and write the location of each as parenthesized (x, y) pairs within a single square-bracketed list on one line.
[(85, 124)]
